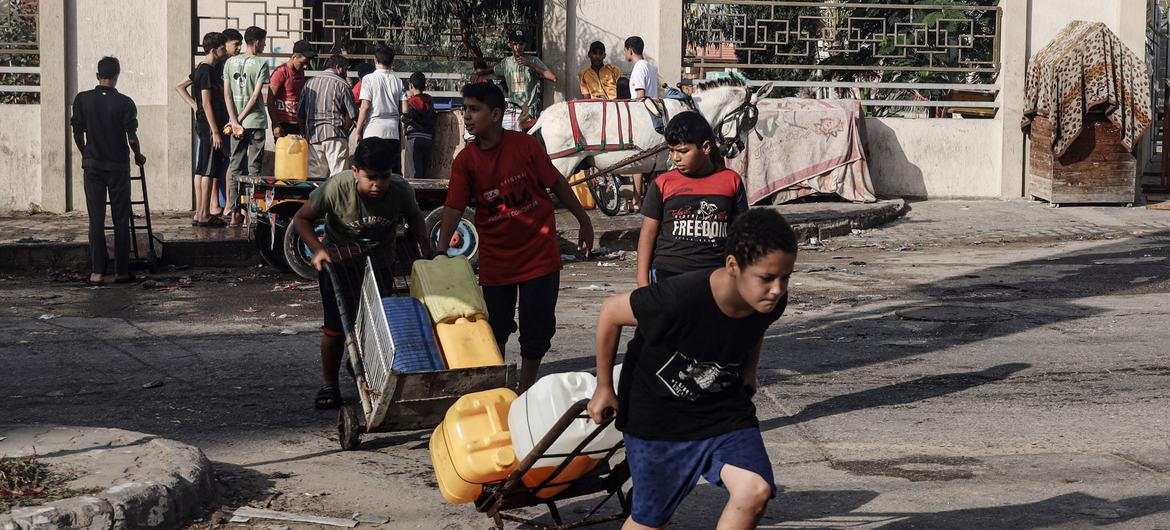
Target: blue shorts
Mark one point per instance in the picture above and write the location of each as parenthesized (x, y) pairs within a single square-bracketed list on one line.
[(665, 472)]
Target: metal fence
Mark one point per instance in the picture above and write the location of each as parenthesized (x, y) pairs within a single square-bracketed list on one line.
[(20, 69), (936, 60), (327, 25)]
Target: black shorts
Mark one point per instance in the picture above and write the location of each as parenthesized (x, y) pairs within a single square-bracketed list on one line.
[(536, 300), (210, 162), (289, 128), (332, 325)]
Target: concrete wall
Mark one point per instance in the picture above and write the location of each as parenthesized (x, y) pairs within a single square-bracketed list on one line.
[(20, 158), (931, 158), (594, 20), (934, 158), (154, 57)]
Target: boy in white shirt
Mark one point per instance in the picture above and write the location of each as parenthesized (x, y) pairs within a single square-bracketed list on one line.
[(382, 95), (643, 84)]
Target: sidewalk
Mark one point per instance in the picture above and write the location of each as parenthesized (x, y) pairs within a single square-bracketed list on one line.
[(59, 241), (938, 223), (120, 479)]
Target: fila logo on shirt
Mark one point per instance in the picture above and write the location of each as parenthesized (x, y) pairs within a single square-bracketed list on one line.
[(507, 203)]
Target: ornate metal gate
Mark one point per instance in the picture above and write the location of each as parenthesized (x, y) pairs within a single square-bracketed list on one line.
[(328, 26)]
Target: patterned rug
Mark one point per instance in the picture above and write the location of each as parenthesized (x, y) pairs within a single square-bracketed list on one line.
[(1086, 65)]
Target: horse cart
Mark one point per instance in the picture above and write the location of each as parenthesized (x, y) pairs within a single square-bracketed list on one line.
[(610, 138), (272, 203)]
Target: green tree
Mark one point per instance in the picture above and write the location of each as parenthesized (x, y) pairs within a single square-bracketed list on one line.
[(468, 28)]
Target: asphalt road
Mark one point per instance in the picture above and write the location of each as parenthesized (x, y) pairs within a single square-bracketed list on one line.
[(1019, 385)]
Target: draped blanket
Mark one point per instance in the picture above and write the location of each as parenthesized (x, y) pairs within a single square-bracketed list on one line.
[(1085, 66), (809, 146)]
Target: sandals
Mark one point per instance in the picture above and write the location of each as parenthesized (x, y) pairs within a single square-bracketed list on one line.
[(90, 283), (215, 222), (328, 397)]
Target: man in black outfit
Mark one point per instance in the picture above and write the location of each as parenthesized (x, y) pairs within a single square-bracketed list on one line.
[(105, 125)]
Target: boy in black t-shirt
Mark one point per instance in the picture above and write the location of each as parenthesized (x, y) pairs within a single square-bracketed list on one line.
[(687, 210), (206, 99), (685, 399)]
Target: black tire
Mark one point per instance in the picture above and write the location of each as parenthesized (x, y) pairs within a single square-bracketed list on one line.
[(297, 254), (606, 190), (466, 230), (271, 255), (349, 428)]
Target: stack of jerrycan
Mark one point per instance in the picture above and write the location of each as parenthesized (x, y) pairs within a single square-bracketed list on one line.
[(292, 158), (447, 287), (535, 412), (472, 446), (485, 435)]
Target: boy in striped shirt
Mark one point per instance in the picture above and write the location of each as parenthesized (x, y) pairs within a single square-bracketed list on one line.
[(325, 111)]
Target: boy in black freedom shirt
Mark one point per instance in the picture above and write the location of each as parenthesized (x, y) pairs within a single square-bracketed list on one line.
[(687, 210), (685, 399)]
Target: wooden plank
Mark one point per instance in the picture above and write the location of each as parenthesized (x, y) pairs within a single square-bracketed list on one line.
[(1095, 168)]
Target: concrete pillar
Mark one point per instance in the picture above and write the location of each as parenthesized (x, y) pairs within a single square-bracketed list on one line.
[(1013, 54), (1131, 29), (670, 41), (554, 48), (176, 168), (54, 130)]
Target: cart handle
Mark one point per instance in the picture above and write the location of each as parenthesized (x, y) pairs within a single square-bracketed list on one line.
[(346, 322), (546, 442)]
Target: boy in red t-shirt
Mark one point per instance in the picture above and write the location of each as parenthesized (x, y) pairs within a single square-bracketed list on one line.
[(506, 173), (284, 90), (687, 210)]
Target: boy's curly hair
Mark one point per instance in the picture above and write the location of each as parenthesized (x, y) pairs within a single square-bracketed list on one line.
[(758, 232)]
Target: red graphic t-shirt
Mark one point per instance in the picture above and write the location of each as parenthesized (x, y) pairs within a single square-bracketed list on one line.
[(513, 212), (286, 91)]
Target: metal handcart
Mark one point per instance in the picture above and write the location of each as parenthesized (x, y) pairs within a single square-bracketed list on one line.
[(390, 400), (608, 478)]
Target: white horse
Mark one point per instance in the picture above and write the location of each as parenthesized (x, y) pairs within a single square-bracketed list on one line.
[(715, 100)]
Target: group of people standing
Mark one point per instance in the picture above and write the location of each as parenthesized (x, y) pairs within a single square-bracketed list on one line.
[(233, 113)]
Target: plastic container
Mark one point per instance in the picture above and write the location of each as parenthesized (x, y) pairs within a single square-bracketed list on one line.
[(468, 342), (411, 340), (472, 446), (447, 286), (292, 158), (536, 411), (582, 192)]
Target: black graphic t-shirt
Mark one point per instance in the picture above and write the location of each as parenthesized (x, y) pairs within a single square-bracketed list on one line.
[(695, 213), (685, 380), (352, 219), (208, 77)]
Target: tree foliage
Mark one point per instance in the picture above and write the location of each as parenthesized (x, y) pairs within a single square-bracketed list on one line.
[(459, 28)]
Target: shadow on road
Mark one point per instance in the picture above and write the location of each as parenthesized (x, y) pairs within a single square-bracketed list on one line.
[(897, 394)]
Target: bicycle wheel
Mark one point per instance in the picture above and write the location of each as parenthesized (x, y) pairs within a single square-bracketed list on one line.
[(606, 191)]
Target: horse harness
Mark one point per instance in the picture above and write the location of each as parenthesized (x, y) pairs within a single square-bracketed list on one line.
[(625, 138), (744, 117)]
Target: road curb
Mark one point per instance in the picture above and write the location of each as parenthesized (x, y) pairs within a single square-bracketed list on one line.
[(819, 220), (169, 484)]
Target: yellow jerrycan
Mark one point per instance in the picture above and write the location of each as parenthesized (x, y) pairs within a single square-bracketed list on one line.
[(582, 191), (472, 446), (292, 158), (468, 343), (447, 287)]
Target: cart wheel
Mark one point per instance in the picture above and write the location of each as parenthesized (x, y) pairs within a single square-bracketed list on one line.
[(466, 236), (297, 253), (349, 428), (606, 191), (270, 255)]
